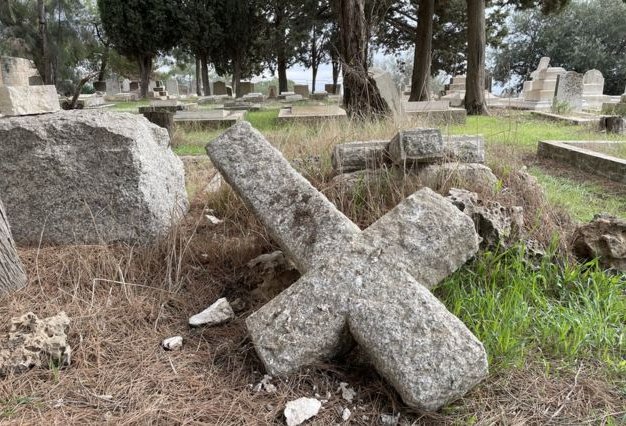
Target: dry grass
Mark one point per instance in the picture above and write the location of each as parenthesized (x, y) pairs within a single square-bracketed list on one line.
[(124, 300)]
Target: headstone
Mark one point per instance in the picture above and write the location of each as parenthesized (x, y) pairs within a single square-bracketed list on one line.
[(569, 90), (333, 89), (464, 148), (370, 293), (319, 96), (113, 86), (273, 90), (219, 88), (544, 64), (416, 146), (21, 91), (593, 89), (301, 89), (538, 93), (134, 86), (353, 156), (246, 87), (126, 85), (464, 175), (89, 177), (171, 86), (388, 91)]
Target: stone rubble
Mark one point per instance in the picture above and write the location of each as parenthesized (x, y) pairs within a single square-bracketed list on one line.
[(218, 313), (35, 342), (172, 343), (605, 238), (265, 385), (300, 410), (347, 392)]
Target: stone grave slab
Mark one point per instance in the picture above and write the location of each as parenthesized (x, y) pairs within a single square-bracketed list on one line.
[(374, 292), (26, 100), (388, 91), (311, 113), (416, 146), (569, 90), (212, 119), (301, 89), (435, 112), (171, 86), (18, 72)]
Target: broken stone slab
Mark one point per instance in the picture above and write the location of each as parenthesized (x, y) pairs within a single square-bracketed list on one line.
[(35, 342), (273, 272), (353, 156), (603, 238), (89, 177), (300, 410), (27, 100), (416, 146), (388, 91), (464, 175), (308, 226), (465, 148), (319, 316), (12, 275), (497, 225), (218, 313)]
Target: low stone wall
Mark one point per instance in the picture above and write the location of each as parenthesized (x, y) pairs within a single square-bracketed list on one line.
[(574, 154)]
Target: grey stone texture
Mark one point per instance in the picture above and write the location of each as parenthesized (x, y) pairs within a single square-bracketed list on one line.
[(416, 146), (605, 238), (88, 177), (388, 91), (35, 343), (353, 156), (373, 292), (465, 148), (465, 175), (301, 89), (18, 72), (300, 219), (497, 225), (26, 100), (569, 90)]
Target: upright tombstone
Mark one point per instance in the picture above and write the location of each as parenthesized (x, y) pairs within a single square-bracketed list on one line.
[(134, 86), (301, 89), (113, 86), (12, 275), (89, 177), (273, 92), (388, 91), (332, 89), (171, 86), (21, 91), (569, 90), (593, 89), (373, 292), (246, 87), (126, 85), (538, 93), (219, 88), (100, 86)]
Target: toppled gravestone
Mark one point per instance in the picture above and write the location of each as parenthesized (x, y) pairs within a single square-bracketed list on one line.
[(12, 275), (466, 175), (496, 224), (353, 156), (416, 146), (605, 238), (35, 342), (89, 177), (373, 291)]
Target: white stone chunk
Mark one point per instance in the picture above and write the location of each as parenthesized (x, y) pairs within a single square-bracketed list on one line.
[(300, 410), (218, 313), (172, 343)]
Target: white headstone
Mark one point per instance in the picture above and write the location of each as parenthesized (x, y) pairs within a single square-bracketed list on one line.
[(126, 85)]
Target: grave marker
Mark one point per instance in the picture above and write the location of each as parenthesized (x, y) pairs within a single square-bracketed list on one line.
[(569, 90)]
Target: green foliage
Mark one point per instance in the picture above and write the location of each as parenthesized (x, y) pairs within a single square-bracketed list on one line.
[(600, 45), (517, 307)]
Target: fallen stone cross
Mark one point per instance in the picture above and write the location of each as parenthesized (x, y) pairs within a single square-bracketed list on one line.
[(368, 287)]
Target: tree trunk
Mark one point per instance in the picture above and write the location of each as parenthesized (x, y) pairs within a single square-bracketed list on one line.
[(103, 65), (198, 77), (206, 84), (422, 59), (336, 65), (314, 61), (283, 83), (476, 43), (12, 275), (237, 79), (145, 69), (43, 35), (361, 97)]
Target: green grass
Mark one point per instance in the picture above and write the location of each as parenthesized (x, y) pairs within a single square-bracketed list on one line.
[(581, 200), (130, 106), (264, 120), (519, 308)]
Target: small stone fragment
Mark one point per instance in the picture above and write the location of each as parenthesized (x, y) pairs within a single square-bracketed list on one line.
[(216, 314), (300, 410), (345, 415), (265, 384), (35, 343), (604, 237), (172, 343), (347, 392), (389, 419), (213, 221)]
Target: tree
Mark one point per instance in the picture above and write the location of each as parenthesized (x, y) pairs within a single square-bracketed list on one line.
[(240, 50), (422, 61), (12, 275), (320, 31), (475, 103), (360, 94), (600, 46), (141, 29)]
